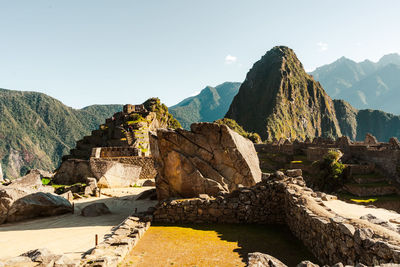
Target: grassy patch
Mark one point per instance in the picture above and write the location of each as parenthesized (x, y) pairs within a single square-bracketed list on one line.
[(378, 199), (46, 181), (364, 200), (215, 245), (63, 185)]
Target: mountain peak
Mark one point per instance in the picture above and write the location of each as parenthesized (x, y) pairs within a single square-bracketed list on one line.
[(290, 103), (392, 58), (283, 54)]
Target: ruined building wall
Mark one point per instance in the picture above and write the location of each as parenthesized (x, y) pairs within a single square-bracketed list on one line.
[(147, 163), (385, 156), (387, 160), (283, 200)]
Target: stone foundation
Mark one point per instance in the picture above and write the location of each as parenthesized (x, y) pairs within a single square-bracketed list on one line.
[(286, 200)]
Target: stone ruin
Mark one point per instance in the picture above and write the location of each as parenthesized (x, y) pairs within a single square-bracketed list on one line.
[(217, 173), (120, 146), (370, 139), (134, 109), (209, 159), (284, 199), (385, 156)]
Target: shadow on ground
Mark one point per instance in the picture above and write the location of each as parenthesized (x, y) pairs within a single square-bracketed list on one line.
[(121, 207)]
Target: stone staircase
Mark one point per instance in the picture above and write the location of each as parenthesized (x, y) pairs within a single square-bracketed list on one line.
[(365, 182)]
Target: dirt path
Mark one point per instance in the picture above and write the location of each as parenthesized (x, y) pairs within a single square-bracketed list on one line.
[(355, 211), (71, 234)]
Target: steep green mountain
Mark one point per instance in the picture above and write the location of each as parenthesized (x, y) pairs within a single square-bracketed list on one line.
[(278, 99), (357, 123), (209, 105), (36, 130), (365, 84)]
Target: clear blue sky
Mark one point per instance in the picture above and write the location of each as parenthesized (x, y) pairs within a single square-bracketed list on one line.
[(86, 52)]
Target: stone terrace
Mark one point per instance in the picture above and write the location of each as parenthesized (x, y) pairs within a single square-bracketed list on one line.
[(286, 200)]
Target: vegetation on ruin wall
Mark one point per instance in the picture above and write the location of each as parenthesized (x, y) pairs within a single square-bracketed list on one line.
[(37, 130), (154, 105), (233, 125), (331, 171)]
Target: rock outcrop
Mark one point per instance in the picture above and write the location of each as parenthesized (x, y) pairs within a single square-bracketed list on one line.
[(257, 259), (209, 159), (278, 99), (20, 204)]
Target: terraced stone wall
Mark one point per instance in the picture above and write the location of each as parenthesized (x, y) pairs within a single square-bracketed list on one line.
[(286, 200)]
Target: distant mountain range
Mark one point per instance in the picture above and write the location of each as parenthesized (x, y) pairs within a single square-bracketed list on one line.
[(36, 129), (209, 105), (278, 99), (365, 85)]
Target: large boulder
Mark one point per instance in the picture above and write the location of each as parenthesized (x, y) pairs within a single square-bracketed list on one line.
[(95, 209), (32, 181), (206, 160), (73, 171), (257, 259), (18, 204), (119, 175)]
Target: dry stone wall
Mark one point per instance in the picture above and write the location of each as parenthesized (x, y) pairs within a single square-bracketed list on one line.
[(258, 204), (147, 163), (385, 156), (116, 246), (286, 200)]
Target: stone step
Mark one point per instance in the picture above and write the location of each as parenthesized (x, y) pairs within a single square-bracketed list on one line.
[(370, 189), (366, 179)]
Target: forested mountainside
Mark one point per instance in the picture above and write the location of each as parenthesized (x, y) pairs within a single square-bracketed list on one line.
[(36, 129)]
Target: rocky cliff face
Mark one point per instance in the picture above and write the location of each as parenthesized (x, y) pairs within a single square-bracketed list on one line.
[(347, 118), (278, 99), (357, 123)]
